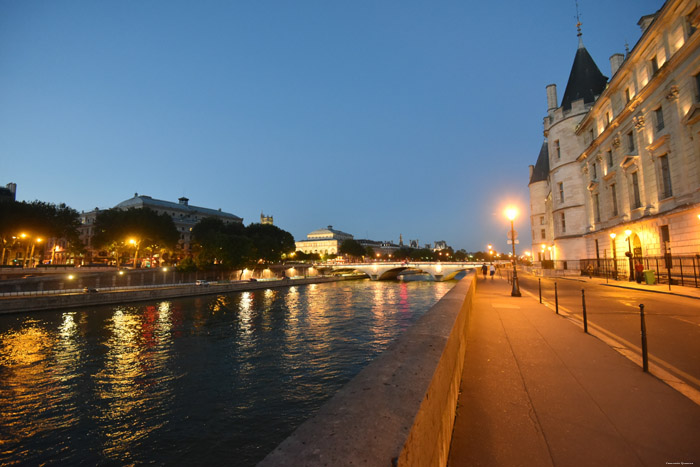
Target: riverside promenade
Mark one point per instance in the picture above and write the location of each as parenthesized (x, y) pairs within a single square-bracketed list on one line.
[(537, 391)]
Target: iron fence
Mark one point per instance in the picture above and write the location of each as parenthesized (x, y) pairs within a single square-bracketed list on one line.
[(679, 270)]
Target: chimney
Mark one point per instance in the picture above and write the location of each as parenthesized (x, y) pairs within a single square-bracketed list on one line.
[(183, 201), (616, 61), (13, 188), (645, 21), (552, 97)]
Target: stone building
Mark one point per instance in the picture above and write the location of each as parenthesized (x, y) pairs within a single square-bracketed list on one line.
[(323, 241), (619, 170), (184, 215)]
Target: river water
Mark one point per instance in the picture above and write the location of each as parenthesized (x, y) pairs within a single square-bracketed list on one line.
[(192, 381)]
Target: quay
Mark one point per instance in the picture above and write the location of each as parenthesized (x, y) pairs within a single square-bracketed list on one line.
[(74, 298), (488, 379)]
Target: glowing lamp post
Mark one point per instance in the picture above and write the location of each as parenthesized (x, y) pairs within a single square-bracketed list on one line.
[(511, 214), (137, 243), (614, 254), (628, 234)]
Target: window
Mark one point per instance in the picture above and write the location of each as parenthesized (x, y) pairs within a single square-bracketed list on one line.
[(636, 200), (630, 142), (563, 222), (697, 87), (543, 234), (613, 195), (596, 207), (608, 119), (654, 65), (557, 149), (666, 191), (561, 192), (628, 96), (591, 134), (659, 117), (594, 172), (610, 159), (541, 220)]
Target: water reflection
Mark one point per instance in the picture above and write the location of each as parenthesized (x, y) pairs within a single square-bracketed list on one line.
[(189, 381)]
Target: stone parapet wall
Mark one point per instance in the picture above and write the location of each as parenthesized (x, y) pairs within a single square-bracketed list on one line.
[(400, 409), (75, 300)]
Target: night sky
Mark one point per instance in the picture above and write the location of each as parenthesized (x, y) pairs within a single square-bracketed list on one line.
[(377, 117)]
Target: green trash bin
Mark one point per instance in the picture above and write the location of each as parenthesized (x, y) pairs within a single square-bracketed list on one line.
[(649, 276)]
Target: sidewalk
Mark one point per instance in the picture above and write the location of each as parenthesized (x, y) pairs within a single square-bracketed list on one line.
[(537, 391), (684, 291)]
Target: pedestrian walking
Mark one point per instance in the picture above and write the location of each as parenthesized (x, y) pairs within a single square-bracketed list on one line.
[(492, 268), (483, 270)]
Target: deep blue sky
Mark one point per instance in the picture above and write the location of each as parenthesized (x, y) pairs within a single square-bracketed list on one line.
[(378, 117)]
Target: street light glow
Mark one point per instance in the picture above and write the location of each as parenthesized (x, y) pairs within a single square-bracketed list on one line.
[(613, 235), (628, 232), (511, 213)]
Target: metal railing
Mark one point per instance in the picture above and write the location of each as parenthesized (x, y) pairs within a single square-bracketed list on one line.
[(679, 270)]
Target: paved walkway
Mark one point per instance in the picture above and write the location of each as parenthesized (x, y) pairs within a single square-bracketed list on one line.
[(537, 391)]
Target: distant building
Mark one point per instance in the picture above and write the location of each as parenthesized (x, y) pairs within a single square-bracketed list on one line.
[(184, 215), (267, 220), (381, 248), (323, 241), (440, 245), (8, 192), (619, 169)]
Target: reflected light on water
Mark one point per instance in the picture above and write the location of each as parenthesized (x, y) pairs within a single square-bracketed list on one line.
[(198, 380)]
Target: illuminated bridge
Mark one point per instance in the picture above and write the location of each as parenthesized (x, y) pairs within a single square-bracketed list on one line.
[(440, 271)]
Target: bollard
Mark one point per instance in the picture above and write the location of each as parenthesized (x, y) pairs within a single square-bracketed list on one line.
[(539, 282), (556, 298), (585, 318), (645, 357)]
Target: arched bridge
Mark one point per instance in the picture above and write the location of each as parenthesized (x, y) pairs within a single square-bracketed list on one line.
[(379, 271)]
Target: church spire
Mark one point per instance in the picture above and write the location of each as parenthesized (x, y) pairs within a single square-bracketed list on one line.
[(579, 34)]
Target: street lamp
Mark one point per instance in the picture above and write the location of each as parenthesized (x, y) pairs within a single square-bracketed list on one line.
[(136, 253), (628, 233), (511, 214), (31, 255), (614, 254)]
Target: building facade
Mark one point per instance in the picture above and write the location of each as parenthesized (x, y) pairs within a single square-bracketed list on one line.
[(619, 171), (184, 216), (323, 241)]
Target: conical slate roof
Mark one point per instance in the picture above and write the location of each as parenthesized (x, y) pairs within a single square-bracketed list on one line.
[(585, 80), (541, 170)]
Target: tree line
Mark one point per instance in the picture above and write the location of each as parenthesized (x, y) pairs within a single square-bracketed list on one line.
[(125, 233)]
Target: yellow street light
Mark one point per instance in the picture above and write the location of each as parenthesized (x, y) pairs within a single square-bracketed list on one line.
[(511, 214), (136, 242)]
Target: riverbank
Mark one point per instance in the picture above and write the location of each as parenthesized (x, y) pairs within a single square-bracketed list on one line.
[(21, 304)]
